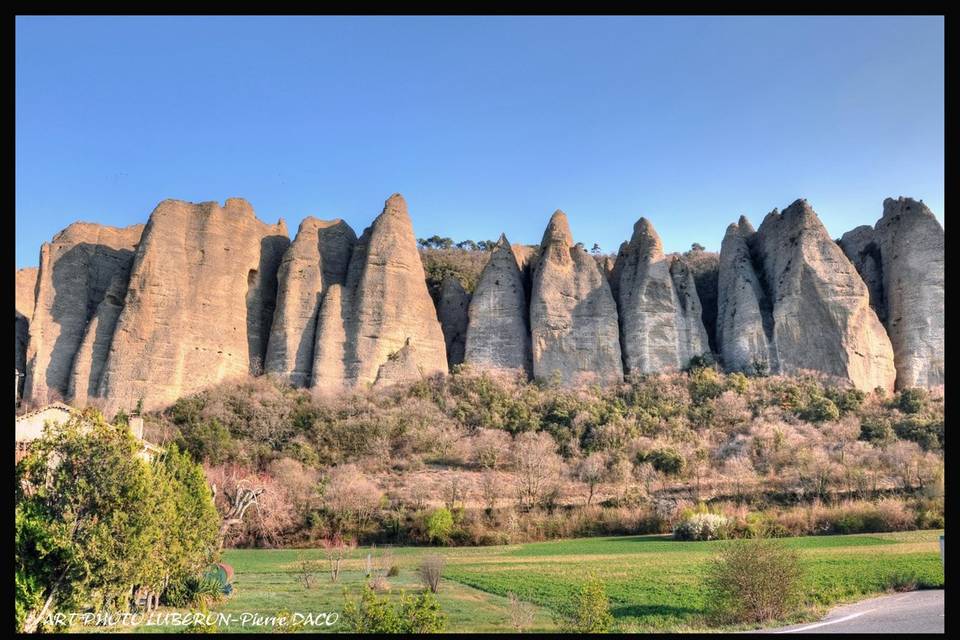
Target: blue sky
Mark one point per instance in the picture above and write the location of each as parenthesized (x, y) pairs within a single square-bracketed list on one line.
[(485, 124)]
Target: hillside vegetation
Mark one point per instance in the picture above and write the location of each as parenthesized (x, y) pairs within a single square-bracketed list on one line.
[(471, 459)]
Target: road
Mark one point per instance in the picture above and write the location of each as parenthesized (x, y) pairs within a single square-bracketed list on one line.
[(912, 612)]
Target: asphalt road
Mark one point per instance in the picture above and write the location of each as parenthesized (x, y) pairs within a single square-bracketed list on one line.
[(912, 612)]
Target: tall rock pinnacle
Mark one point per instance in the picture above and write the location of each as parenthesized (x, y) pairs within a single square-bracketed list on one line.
[(387, 317), (573, 317), (498, 335)]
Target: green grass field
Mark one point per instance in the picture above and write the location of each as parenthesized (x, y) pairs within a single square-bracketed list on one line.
[(653, 583)]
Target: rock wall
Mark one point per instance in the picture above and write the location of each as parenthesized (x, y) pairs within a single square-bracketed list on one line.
[(199, 304), (81, 271), (912, 255), (317, 258), (452, 312), (573, 316), (25, 292), (822, 318)]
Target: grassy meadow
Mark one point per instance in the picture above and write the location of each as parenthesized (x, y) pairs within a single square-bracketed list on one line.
[(653, 582)]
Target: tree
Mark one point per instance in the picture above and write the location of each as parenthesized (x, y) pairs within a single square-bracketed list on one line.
[(440, 525), (351, 497), (590, 609), (591, 471), (88, 507), (536, 463)]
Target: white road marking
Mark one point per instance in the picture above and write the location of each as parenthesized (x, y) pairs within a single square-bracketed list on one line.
[(823, 624)]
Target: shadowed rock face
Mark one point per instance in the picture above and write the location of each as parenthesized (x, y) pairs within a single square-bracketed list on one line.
[(912, 254), (452, 314), (660, 314), (573, 317), (744, 321), (705, 266), (862, 248), (26, 294), (199, 304), (81, 271), (498, 335), (822, 319), (385, 308), (316, 259)]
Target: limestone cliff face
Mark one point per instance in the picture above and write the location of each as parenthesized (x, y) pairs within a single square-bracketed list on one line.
[(912, 252), (705, 266), (452, 314), (81, 271), (317, 258), (661, 326), (199, 304), (822, 319), (573, 316), (744, 318), (26, 294), (498, 335), (387, 318)]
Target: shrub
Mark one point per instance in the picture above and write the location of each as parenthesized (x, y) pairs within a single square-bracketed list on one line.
[(876, 431), (440, 525), (820, 409), (912, 400), (431, 570), (375, 614), (521, 613), (702, 526), (393, 571), (902, 581), (754, 581), (668, 461), (590, 609)]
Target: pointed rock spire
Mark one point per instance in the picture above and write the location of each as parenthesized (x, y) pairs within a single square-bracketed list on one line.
[(660, 329), (573, 317), (498, 336)]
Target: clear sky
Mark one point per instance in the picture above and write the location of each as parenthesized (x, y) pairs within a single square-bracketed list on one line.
[(485, 124)]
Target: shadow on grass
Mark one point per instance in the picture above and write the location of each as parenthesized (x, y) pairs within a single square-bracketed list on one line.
[(653, 611)]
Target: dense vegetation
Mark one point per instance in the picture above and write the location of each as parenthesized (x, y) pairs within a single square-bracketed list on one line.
[(473, 459), (96, 525)]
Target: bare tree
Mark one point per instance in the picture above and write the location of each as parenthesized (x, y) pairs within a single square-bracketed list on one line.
[(592, 471), (536, 463), (431, 570), (336, 549), (351, 496)]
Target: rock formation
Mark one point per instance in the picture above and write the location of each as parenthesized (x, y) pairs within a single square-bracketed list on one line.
[(912, 252), (204, 294), (498, 335), (744, 318), (317, 258), (822, 319), (573, 316), (705, 266), (25, 294), (82, 270), (199, 305), (452, 314), (387, 318), (660, 314), (862, 249)]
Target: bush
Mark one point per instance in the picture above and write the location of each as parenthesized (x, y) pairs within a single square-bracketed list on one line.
[(820, 409), (431, 570), (754, 581), (912, 400), (902, 581), (590, 609), (703, 526), (375, 614), (668, 461), (440, 525), (394, 571)]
